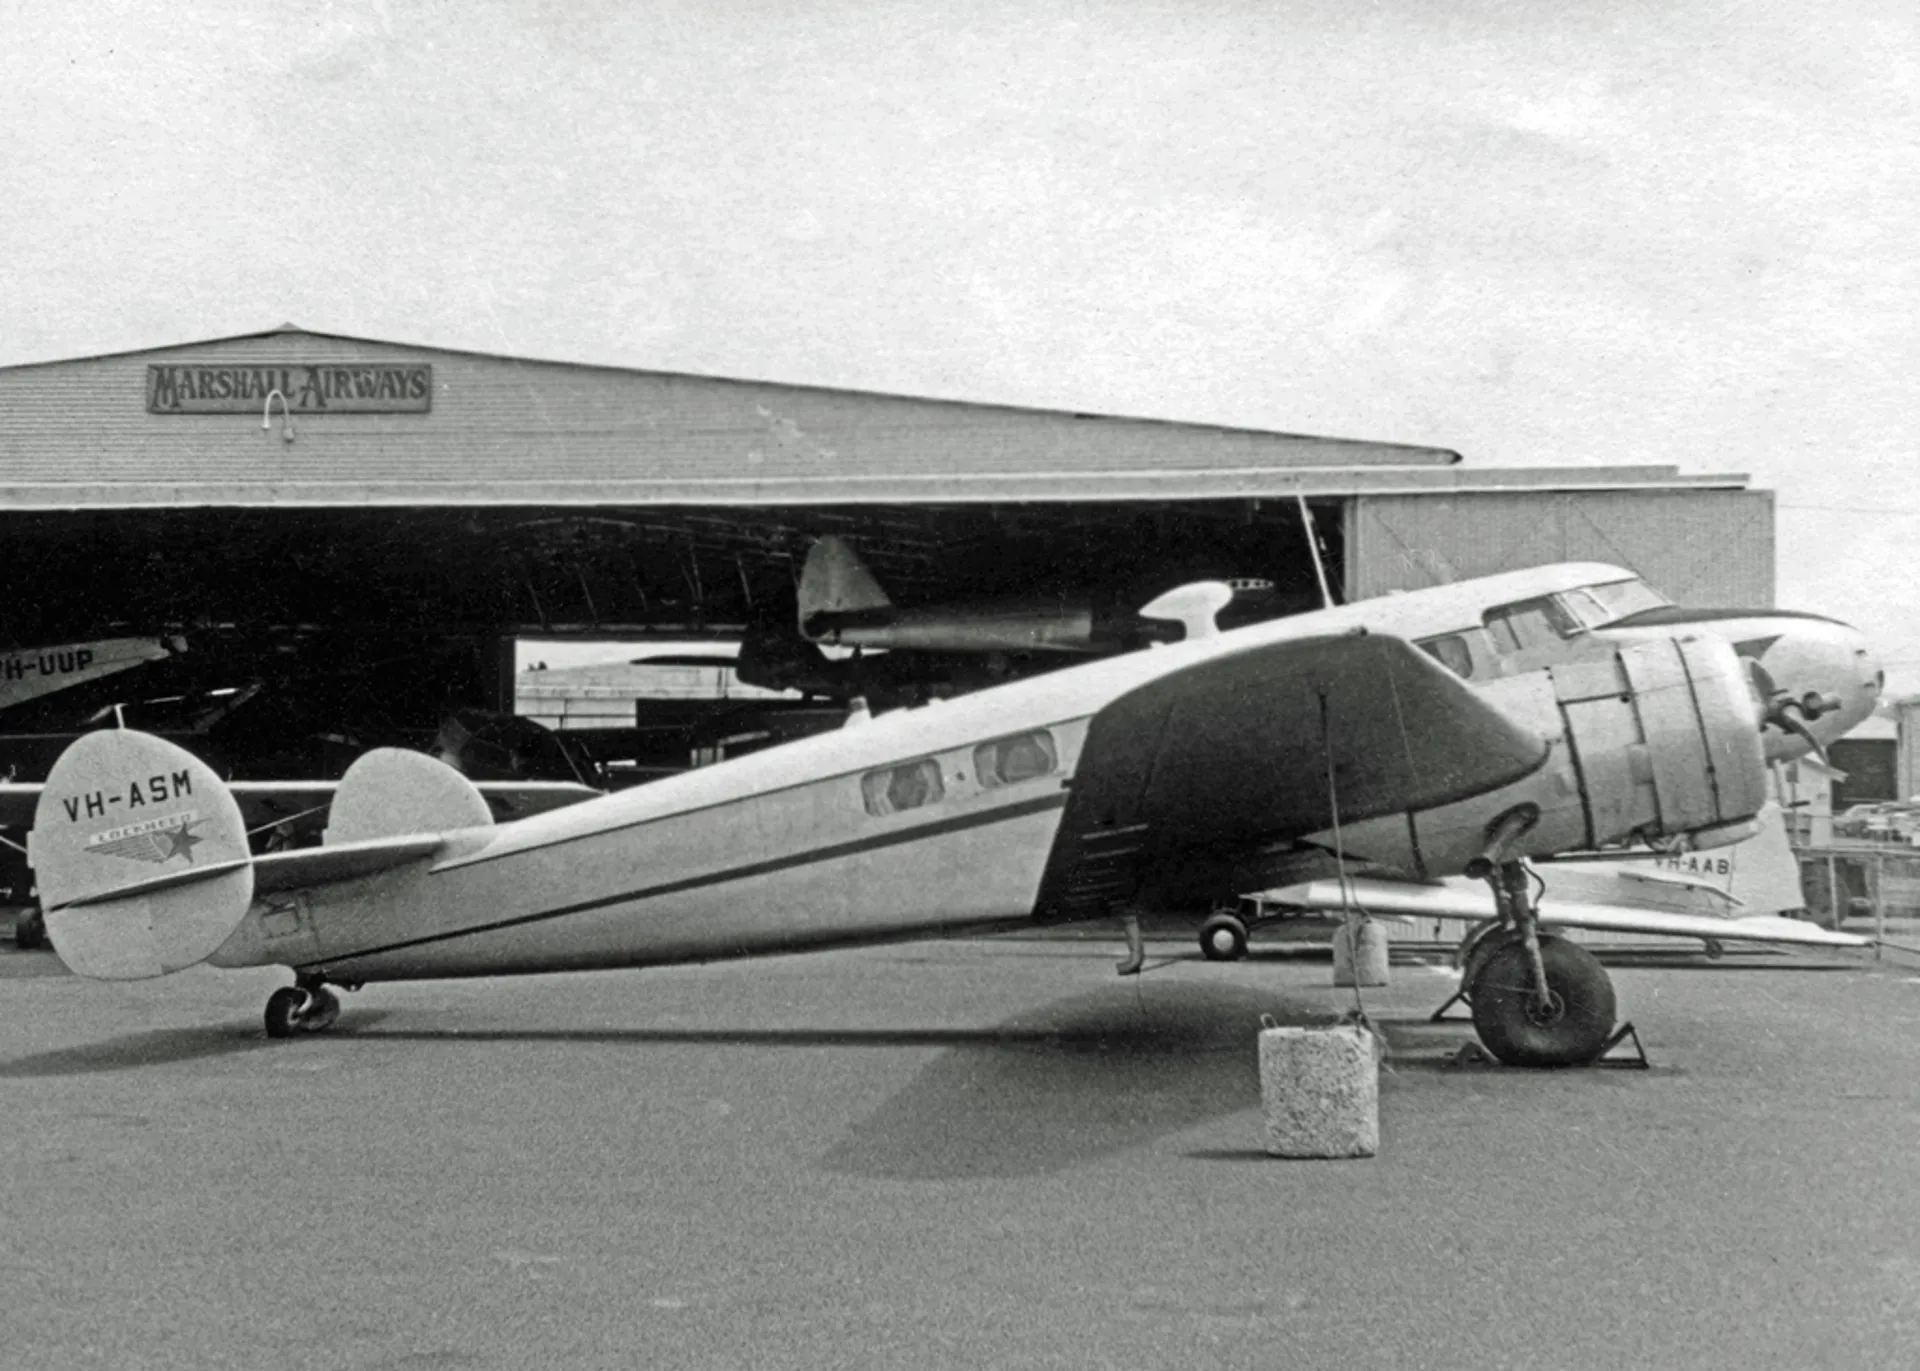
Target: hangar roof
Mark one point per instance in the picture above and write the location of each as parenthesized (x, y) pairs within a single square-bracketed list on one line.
[(291, 417)]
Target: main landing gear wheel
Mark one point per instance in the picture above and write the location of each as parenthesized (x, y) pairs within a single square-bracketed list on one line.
[(1571, 1027), (1223, 938), (298, 1009)]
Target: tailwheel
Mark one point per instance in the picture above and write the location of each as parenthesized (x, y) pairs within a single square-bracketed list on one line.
[(301, 1009), (283, 1011), (1570, 1024), (30, 930), (1223, 938), (323, 1007)]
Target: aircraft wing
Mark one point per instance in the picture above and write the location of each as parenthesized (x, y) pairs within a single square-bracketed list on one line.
[(1233, 752), (1459, 900)]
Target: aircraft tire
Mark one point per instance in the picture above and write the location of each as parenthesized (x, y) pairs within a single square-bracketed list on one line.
[(286, 1007), (1715, 949), (30, 931), (323, 1007), (1223, 938), (1577, 1029)]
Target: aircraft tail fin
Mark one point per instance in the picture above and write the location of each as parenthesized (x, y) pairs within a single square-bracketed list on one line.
[(141, 858), (390, 793), (835, 581), (1766, 875)]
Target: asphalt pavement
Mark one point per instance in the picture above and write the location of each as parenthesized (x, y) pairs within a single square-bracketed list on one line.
[(977, 1154)]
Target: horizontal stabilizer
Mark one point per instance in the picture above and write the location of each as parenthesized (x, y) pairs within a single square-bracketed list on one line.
[(140, 855), (310, 866), (302, 805), (391, 791)]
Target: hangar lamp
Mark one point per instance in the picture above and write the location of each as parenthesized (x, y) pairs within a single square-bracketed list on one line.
[(286, 410)]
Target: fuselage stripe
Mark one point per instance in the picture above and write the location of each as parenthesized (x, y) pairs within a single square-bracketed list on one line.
[(493, 854), (956, 824)]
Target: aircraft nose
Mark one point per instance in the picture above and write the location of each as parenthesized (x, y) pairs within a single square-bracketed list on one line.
[(1817, 679)]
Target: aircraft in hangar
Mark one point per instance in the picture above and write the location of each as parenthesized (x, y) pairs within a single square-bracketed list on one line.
[(841, 604), (909, 654), (1347, 738), (34, 672)]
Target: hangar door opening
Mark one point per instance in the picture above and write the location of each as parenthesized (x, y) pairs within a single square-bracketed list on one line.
[(1704, 548), (338, 629)]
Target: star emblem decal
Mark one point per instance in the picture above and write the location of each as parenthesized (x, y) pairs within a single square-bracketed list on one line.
[(182, 840)]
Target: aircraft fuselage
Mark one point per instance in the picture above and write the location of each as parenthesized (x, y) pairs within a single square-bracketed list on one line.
[(908, 825)]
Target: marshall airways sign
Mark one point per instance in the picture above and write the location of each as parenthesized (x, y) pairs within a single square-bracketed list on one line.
[(308, 388)]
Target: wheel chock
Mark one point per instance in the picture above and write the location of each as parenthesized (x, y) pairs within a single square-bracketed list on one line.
[(1636, 1062)]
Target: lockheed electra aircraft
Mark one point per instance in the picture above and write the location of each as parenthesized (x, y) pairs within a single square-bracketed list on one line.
[(1455, 730)]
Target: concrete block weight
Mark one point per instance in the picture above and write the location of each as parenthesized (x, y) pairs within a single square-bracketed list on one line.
[(1320, 1091), (1360, 953)]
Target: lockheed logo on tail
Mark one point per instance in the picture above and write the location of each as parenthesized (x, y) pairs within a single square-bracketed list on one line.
[(152, 840)]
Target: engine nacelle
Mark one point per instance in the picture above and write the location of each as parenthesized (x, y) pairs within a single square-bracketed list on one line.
[(1657, 740)]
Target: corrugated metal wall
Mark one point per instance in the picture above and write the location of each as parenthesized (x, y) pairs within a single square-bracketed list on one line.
[(500, 421), (1705, 548)]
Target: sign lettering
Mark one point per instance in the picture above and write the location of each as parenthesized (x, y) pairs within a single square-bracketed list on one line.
[(307, 388)]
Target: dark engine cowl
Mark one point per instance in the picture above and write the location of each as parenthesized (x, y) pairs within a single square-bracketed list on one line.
[(1656, 740)]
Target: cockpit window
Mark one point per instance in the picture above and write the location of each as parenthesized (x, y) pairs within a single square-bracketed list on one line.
[(1530, 623), (1621, 598), (1452, 653)]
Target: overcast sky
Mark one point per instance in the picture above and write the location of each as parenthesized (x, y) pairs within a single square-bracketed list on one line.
[(1541, 234)]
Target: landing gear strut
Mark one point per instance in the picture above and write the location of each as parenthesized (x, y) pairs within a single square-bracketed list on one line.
[(307, 1006), (1537, 1000)]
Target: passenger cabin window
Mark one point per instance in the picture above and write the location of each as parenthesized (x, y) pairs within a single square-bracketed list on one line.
[(1452, 653), (907, 786), (1530, 623), (1008, 761)]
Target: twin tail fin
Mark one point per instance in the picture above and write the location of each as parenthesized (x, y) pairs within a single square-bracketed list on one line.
[(141, 856)]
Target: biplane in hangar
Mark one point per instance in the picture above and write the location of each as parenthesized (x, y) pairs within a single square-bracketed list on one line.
[(1461, 729)]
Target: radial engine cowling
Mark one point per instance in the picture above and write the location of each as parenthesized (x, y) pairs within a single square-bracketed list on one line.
[(1657, 740), (1666, 741)]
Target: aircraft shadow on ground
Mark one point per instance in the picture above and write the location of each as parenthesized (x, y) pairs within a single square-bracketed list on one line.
[(1079, 1080), (163, 1047)]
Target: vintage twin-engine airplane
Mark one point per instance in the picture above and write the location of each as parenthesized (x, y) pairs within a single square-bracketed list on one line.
[(1226, 762)]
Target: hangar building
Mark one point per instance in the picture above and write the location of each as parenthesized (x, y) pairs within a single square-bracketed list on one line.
[(344, 500)]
